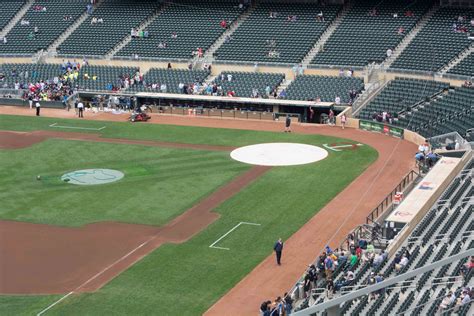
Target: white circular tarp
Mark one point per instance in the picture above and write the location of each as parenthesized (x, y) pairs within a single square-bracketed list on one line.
[(92, 176), (279, 154)]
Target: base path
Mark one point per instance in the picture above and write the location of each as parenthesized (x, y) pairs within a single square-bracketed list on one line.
[(268, 280)]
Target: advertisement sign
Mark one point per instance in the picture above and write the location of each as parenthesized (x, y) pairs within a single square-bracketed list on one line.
[(381, 128)]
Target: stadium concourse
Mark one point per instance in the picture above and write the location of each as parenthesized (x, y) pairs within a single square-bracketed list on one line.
[(401, 67)]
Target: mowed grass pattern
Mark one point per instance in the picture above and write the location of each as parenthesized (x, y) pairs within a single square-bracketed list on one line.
[(186, 279), (159, 183)]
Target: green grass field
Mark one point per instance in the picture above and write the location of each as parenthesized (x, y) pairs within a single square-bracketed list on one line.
[(184, 279)]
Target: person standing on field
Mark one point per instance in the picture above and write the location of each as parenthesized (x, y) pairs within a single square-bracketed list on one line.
[(288, 124), (38, 108), (80, 107), (278, 250), (343, 121)]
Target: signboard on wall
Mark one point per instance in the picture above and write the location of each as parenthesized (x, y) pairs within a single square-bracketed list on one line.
[(381, 128)]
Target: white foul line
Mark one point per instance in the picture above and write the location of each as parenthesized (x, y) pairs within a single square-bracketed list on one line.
[(74, 127), (95, 276), (334, 148), (230, 231)]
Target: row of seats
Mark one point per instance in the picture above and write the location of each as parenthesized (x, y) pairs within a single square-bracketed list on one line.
[(8, 11), (437, 43), (465, 67), (325, 87), (244, 84), (183, 27), (262, 38), (400, 94), (447, 113), (119, 17), (368, 30), (50, 24)]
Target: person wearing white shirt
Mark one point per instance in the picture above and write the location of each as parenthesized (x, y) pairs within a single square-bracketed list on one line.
[(404, 261), (38, 108), (229, 77), (389, 52), (80, 107), (337, 100)]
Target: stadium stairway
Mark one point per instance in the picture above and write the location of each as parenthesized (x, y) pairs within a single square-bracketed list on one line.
[(16, 19), (209, 54), (53, 47), (326, 35), (410, 36), (465, 55), (141, 27)]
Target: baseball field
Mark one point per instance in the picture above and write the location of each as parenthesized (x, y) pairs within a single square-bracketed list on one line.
[(141, 245)]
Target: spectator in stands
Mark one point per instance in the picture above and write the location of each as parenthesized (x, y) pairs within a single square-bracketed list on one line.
[(329, 266), (288, 303), (273, 15), (373, 12), (403, 262), (4, 40), (465, 268), (401, 31), (89, 8), (100, 20), (337, 100), (389, 52), (24, 22), (223, 23), (330, 288), (94, 21), (31, 36), (353, 261), (320, 17), (265, 308), (409, 13)]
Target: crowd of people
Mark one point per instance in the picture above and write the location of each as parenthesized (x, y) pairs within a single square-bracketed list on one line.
[(279, 307), (382, 117)]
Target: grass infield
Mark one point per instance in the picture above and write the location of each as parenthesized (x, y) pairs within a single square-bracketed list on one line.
[(184, 279)]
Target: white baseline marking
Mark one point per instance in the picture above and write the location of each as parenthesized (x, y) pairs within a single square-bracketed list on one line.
[(230, 231), (335, 148), (95, 276), (74, 127)]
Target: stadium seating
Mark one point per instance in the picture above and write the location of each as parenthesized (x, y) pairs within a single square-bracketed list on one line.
[(362, 38), (195, 26), (326, 87), (400, 94), (25, 73), (445, 230), (8, 11), (50, 23), (465, 67), (292, 40), (171, 77), (105, 75), (100, 38), (437, 43), (243, 83), (447, 113)]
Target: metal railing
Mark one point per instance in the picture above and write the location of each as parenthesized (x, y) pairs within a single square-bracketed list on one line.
[(387, 204)]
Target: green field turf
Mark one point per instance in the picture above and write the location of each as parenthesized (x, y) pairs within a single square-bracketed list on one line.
[(186, 279)]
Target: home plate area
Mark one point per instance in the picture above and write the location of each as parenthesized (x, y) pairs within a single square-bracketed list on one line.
[(279, 154)]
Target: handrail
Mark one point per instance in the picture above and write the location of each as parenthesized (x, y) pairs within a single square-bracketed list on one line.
[(382, 207)]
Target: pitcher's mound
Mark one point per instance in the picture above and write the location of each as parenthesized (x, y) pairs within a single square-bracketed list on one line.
[(279, 154)]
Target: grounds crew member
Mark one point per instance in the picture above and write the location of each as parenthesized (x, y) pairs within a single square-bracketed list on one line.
[(80, 107), (38, 108)]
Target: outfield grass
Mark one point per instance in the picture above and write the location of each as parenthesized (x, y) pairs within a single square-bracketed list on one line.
[(186, 279)]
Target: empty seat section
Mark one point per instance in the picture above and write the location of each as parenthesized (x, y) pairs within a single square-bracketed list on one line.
[(369, 30), (8, 10), (437, 43), (401, 94), (465, 67), (326, 87), (119, 17), (244, 84), (171, 78), (183, 27), (262, 38), (48, 17)]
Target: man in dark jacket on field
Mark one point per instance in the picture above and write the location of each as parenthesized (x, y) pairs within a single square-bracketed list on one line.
[(278, 249)]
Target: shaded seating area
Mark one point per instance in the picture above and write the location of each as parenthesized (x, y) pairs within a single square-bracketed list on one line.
[(438, 42), (8, 9), (284, 38), (182, 28), (119, 17), (369, 30), (465, 67), (48, 18), (171, 78), (400, 94), (249, 84), (310, 87)]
